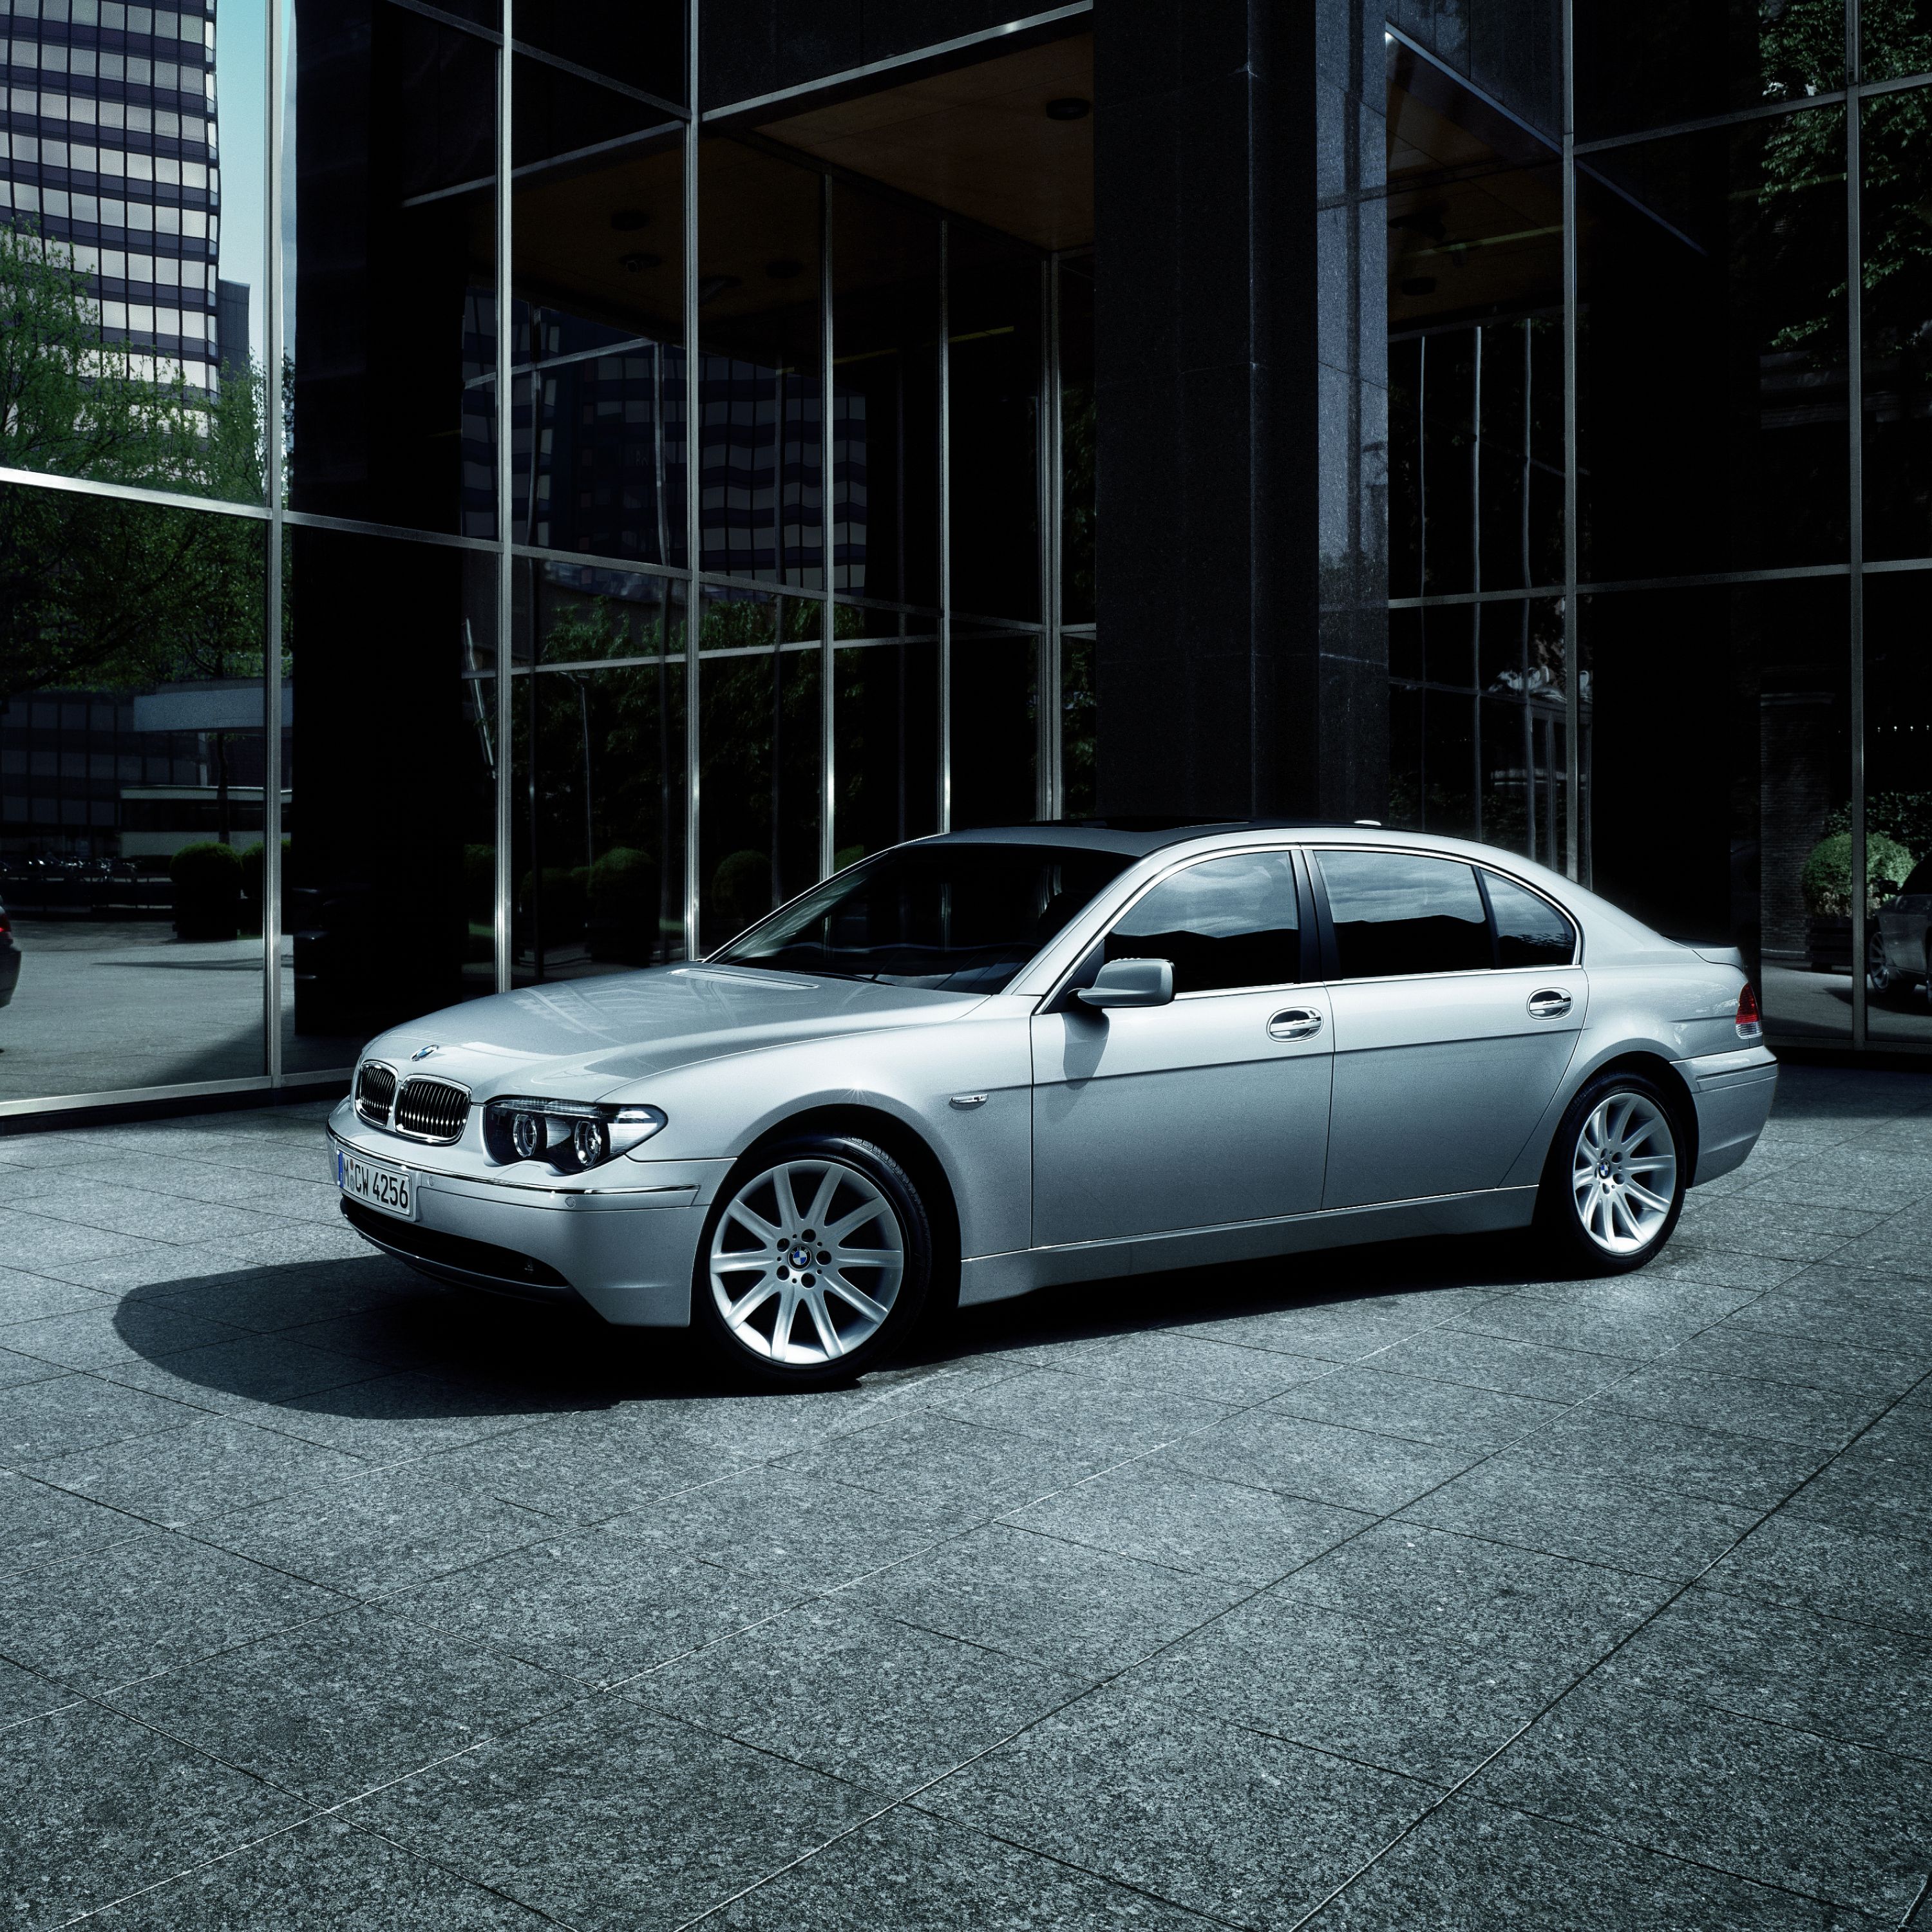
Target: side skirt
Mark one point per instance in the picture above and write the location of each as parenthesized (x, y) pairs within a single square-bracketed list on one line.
[(997, 1277)]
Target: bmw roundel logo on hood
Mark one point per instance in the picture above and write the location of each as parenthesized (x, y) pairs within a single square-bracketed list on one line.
[(424, 1052)]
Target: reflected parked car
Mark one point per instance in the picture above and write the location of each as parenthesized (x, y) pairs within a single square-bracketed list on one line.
[(1899, 951), (10, 959), (986, 1062)]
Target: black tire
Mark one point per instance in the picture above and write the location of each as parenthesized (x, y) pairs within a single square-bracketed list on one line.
[(750, 1349), (1577, 1249)]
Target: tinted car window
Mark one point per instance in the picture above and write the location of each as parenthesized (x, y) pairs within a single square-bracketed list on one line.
[(1225, 923), (965, 918), (1530, 931), (1920, 880), (1395, 913)]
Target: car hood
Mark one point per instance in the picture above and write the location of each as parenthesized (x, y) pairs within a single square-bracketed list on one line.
[(582, 1039)]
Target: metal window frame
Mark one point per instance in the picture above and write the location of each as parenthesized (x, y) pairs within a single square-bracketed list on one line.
[(1851, 98), (922, 624)]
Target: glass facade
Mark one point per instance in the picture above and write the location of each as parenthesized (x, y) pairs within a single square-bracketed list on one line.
[(1656, 526), (660, 500), (644, 511)]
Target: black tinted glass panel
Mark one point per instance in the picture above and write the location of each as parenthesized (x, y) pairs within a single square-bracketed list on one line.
[(1226, 923), (1920, 880), (1395, 913), (1530, 931), (962, 918)]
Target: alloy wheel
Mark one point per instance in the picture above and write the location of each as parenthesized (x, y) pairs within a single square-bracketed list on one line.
[(806, 1261), (1624, 1174)]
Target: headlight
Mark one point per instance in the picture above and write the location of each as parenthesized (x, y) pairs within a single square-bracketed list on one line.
[(572, 1135)]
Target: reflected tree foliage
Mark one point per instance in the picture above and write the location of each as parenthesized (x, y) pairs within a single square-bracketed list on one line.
[(95, 592)]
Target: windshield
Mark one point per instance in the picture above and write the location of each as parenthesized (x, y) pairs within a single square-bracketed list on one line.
[(963, 918)]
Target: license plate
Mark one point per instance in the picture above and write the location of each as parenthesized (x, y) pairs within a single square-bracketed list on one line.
[(389, 1190)]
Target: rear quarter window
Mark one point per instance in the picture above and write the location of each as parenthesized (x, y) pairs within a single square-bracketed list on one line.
[(1530, 931)]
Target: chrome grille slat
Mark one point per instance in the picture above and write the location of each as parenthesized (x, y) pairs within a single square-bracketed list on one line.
[(431, 1110), (375, 1089)]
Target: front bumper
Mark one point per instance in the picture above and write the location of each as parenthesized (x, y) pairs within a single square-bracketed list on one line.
[(1733, 1092), (627, 1252)]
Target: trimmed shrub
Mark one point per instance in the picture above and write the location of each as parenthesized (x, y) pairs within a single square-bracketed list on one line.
[(1826, 881), (623, 911), (207, 892)]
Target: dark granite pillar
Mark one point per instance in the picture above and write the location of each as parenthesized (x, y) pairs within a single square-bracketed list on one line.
[(1241, 653)]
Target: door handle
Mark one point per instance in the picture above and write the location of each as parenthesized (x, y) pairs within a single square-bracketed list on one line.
[(1295, 1023), (1551, 1003)]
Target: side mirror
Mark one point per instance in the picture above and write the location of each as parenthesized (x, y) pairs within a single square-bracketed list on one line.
[(1885, 888), (1131, 983)]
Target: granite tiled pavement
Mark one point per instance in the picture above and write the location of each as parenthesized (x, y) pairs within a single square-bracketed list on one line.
[(1403, 1588)]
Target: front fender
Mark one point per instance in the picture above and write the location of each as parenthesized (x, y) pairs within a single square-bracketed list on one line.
[(912, 1076)]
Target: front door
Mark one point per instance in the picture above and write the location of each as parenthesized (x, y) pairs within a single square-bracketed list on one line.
[(1211, 1109), (1456, 1009)]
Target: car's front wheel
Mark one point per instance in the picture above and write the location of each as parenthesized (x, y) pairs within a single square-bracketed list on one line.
[(1614, 1185), (814, 1262), (1881, 977)]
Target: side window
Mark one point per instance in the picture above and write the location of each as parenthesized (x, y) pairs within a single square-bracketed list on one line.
[(1225, 923), (1920, 880), (1530, 931), (1395, 913)]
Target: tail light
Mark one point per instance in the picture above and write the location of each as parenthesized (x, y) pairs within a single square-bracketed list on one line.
[(1751, 1021)]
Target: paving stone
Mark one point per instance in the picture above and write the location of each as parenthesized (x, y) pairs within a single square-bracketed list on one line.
[(1353, 1469), (1426, 1704), (336, 1705), (215, 1465), (613, 1816), (1766, 1803), (1883, 1580), (1472, 1866), (323, 1876), (1485, 1361), (936, 1461), (1781, 1412), (1450, 1414), (1176, 1517), (1072, 1409), (32, 1297), (919, 1874), (1035, 1597), (1510, 1498), (1336, 1331), (1176, 1362), (379, 1530), (878, 1702), (1221, 1820), (94, 1806), (1788, 1666), (596, 1604), (1750, 1471), (145, 1605), (64, 1414), (1466, 1590)]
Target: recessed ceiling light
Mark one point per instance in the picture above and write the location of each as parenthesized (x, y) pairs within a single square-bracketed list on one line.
[(1069, 107), (626, 219)]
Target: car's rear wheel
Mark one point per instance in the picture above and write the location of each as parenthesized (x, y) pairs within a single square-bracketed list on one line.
[(1613, 1186), (1881, 976), (815, 1264)]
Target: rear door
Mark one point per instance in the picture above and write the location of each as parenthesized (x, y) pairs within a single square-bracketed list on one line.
[(1211, 1109), (1457, 1004)]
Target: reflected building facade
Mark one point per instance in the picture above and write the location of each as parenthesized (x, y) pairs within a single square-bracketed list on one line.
[(696, 452)]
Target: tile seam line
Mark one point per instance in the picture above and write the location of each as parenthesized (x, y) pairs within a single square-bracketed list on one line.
[(1597, 1664)]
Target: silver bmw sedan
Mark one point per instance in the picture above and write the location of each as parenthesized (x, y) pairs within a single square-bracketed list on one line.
[(985, 1062)]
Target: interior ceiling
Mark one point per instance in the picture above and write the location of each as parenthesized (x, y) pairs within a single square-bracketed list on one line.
[(1475, 213), (976, 141)]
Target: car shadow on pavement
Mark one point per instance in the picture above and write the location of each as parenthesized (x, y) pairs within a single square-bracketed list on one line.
[(367, 1337)]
